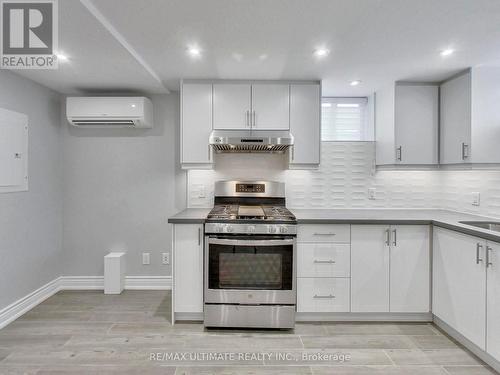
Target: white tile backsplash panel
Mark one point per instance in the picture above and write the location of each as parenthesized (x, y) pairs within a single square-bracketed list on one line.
[(342, 181)]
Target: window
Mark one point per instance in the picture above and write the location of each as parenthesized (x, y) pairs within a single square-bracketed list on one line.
[(345, 119)]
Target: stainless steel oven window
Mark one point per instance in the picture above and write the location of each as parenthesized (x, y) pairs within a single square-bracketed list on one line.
[(249, 295), (248, 264), (247, 270)]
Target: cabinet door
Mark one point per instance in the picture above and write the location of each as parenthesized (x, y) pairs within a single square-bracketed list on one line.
[(305, 114), (188, 268), (270, 106), (416, 121), (232, 105), (493, 301), (456, 120), (410, 268), (196, 103), (459, 283), (369, 268)]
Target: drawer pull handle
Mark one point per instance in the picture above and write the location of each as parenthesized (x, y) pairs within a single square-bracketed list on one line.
[(331, 261), (324, 234), (329, 296)]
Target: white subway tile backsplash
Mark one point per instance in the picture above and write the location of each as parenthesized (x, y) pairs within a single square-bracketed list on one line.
[(343, 179)]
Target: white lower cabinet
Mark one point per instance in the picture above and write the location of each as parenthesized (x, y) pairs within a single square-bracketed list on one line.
[(459, 283), (326, 294), (323, 268), (493, 299), (390, 268), (410, 275), (188, 268), (369, 268)]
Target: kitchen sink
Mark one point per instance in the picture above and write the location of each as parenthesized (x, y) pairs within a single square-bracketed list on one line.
[(490, 225)]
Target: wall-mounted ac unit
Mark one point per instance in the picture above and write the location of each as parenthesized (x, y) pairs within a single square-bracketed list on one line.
[(109, 112)]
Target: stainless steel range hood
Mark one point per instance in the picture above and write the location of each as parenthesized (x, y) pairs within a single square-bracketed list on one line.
[(269, 141)]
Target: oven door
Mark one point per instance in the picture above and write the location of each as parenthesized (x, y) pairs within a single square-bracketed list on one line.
[(247, 270)]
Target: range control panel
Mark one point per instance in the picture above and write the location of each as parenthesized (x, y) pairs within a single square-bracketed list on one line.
[(250, 188)]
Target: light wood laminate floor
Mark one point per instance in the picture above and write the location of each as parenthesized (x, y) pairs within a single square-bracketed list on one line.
[(87, 332)]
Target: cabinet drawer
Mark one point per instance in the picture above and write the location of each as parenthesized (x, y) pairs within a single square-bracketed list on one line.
[(324, 233), (322, 294), (323, 260)]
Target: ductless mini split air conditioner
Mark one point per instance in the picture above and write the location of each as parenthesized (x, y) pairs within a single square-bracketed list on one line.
[(109, 112)]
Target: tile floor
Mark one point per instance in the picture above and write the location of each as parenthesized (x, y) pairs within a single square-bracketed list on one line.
[(86, 332)]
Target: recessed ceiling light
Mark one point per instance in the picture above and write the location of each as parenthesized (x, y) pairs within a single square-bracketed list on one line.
[(355, 82), (321, 52), (447, 52), (326, 105), (194, 51), (62, 57)]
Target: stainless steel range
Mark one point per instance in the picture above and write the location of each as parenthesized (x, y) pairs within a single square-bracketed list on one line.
[(250, 257)]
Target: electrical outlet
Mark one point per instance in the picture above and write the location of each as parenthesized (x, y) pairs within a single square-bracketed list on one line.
[(371, 193), (146, 258), (165, 258), (201, 191), (476, 198)]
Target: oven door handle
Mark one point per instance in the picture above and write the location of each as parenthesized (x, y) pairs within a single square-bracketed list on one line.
[(221, 241)]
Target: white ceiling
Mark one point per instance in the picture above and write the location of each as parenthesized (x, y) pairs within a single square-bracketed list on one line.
[(375, 41)]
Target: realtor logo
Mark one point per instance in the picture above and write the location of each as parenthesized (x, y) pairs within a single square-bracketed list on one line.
[(29, 34)]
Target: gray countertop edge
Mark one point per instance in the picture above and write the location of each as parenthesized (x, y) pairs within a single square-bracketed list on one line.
[(186, 221), (467, 229), (365, 221), (190, 216)]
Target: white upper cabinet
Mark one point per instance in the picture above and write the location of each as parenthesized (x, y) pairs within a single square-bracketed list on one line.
[(246, 105), (305, 125), (270, 106), (232, 106), (196, 112), (407, 123), (260, 106), (416, 124), (456, 120), (470, 120)]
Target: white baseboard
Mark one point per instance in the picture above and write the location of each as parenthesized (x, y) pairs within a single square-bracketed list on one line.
[(131, 282), (81, 283), (26, 303), (148, 282)]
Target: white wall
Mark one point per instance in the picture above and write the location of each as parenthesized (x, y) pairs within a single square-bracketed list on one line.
[(120, 186), (31, 222), (343, 179)]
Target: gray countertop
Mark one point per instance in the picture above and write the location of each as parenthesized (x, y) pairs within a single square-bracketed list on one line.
[(441, 218), (190, 216)]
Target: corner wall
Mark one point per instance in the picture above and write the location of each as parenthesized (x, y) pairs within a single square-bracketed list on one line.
[(31, 221)]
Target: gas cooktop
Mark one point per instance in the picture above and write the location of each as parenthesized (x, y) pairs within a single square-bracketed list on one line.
[(236, 212)]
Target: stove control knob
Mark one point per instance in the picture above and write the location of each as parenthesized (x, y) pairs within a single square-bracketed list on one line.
[(283, 230), (271, 229), (251, 229)]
